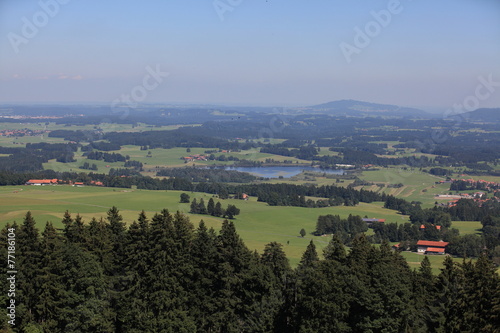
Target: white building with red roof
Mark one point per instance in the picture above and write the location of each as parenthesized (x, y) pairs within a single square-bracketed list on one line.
[(42, 182), (431, 247)]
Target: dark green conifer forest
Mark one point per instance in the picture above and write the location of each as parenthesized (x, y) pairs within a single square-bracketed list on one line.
[(163, 274)]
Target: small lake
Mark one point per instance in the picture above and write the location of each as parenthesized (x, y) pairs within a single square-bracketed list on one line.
[(284, 171)]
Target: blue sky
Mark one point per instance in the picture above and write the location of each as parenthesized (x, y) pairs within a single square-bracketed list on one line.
[(252, 52)]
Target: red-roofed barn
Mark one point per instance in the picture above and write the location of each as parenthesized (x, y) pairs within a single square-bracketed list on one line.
[(41, 181), (431, 247)]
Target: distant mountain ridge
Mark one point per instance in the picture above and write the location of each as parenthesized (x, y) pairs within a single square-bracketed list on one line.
[(349, 107), (484, 114)]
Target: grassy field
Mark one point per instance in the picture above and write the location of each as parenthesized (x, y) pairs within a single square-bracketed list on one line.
[(417, 185), (164, 158), (51, 126), (467, 227), (258, 223), (414, 260)]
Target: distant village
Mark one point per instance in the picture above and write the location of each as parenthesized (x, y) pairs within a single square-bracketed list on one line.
[(22, 132), (466, 184), (43, 182)]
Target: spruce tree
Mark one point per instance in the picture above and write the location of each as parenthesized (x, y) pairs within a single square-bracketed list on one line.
[(50, 287), (133, 314), (28, 264), (194, 207), (335, 250), (310, 256), (277, 263), (449, 286), (201, 207), (234, 262), (203, 303), (75, 230), (166, 297), (85, 305), (218, 211), (479, 297), (4, 283), (275, 258), (322, 302), (211, 207)]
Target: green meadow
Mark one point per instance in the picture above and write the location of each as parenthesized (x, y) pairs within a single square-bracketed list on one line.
[(417, 185), (160, 157), (414, 260), (258, 223)]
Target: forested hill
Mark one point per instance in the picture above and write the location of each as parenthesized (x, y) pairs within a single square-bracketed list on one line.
[(358, 108), (486, 115), (164, 275)]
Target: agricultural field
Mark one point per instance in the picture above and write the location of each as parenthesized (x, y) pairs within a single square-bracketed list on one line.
[(417, 185), (468, 227), (20, 141), (164, 158), (105, 127), (258, 223)]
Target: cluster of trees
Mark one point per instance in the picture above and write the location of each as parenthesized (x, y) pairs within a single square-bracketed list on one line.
[(410, 233), (439, 171), (401, 205), (466, 246), (22, 162), (345, 229), (101, 145), (303, 152), (123, 172), (133, 164), (32, 157), (395, 232), (163, 275), (87, 166), (107, 157), (212, 208), (462, 185), (434, 216), (207, 174), (361, 157), (76, 136), (294, 195), (222, 158), (491, 236), (469, 210)]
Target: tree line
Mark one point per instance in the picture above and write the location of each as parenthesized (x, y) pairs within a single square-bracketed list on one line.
[(106, 157), (207, 174), (164, 275), (273, 194)]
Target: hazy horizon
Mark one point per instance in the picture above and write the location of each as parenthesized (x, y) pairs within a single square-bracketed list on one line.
[(417, 54)]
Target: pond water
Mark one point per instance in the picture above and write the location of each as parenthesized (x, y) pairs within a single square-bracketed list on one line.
[(284, 171)]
